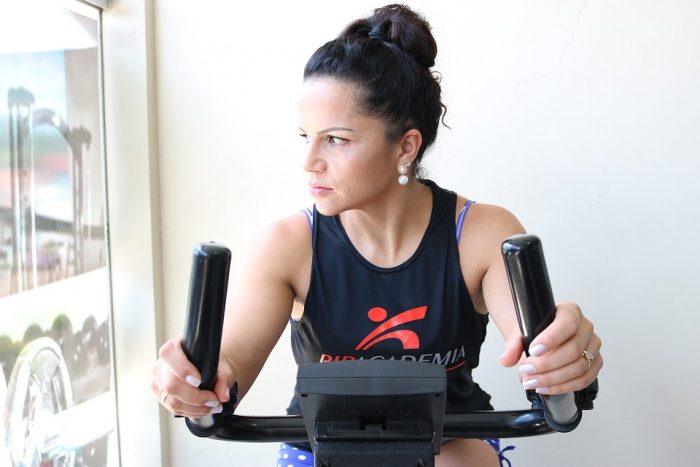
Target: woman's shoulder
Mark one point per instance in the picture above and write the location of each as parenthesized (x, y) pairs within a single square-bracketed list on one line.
[(283, 244), (281, 254), (484, 228), (289, 232), (486, 223), (484, 212), (488, 216)]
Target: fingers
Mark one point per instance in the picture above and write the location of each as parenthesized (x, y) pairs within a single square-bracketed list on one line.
[(224, 376), (175, 384), (568, 351), (513, 349), (178, 407), (556, 364), (566, 324), (571, 375), (172, 355)]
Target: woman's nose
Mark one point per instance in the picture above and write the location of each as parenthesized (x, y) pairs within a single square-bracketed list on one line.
[(312, 159)]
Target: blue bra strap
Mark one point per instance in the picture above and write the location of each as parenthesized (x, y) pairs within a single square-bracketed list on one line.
[(309, 217), (460, 219)]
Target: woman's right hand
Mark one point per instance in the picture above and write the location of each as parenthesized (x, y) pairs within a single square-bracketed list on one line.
[(176, 383)]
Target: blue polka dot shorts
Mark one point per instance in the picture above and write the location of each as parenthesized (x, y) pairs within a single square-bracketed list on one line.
[(292, 456)]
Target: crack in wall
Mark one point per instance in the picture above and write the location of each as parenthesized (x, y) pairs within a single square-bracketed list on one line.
[(563, 50)]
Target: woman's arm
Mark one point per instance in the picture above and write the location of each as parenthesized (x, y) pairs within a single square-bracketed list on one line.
[(278, 270), (555, 364)]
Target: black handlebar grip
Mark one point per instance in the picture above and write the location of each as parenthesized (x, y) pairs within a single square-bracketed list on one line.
[(205, 320), (535, 309)]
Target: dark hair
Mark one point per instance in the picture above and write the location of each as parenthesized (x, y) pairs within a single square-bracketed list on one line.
[(388, 57)]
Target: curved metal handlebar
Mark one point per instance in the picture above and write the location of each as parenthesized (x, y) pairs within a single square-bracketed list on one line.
[(290, 428), (527, 274), (535, 309), (205, 321)]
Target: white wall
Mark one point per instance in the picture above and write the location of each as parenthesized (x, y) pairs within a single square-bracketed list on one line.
[(582, 117)]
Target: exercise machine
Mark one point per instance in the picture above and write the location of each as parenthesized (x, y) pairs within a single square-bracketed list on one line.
[(377, 412)]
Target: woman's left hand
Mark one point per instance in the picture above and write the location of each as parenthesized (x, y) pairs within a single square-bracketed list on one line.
[(564, 357)]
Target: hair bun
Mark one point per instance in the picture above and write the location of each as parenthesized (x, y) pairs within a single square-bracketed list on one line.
[(399, 25)]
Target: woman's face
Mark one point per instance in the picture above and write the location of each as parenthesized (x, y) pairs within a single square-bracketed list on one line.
[(348, 158)]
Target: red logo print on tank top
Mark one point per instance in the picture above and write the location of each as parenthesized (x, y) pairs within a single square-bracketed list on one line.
[(409, 339)]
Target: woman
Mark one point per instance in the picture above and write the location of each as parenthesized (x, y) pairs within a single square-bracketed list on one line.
[(386, 265)]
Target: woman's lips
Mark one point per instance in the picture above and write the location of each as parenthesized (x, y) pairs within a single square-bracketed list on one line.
[(318, 190)]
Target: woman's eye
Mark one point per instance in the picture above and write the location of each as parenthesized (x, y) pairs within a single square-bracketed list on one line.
[(336, 140), (304, 136)]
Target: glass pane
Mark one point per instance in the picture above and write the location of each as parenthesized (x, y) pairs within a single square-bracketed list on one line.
[(56, 400)]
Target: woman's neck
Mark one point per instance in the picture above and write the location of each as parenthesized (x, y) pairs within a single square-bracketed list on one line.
[(387, 234)]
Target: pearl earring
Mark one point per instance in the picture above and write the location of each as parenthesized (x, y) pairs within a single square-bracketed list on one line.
[(403, 178)]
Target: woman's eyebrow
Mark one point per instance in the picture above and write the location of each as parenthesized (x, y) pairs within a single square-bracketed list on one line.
[(328, 130), (335, 128)]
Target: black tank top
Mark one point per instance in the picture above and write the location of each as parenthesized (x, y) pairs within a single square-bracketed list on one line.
[(420, 310)]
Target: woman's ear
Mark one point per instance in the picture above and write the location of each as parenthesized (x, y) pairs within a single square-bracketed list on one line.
[(410, 145)]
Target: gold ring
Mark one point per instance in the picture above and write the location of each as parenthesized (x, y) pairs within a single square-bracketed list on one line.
[(588, 357), (163, 395)]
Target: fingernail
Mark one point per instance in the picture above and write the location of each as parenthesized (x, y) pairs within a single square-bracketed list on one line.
[(227, 396), (537, 350), (192, 381), (526, 369), (216, 410), (212, 403), (530, 383), (542, 390)]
